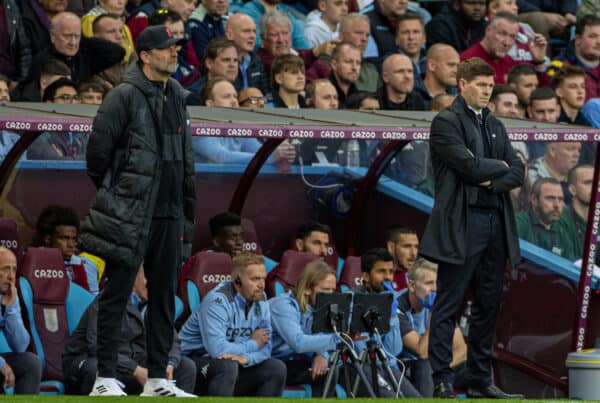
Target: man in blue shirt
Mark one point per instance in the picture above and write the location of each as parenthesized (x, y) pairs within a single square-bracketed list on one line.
[(229, 336), (19, 369)]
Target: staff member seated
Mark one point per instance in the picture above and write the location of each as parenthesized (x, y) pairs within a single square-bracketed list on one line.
[(305, 354), (229, 336)]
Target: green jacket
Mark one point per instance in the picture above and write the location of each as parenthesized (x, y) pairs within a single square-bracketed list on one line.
[(559, 239)]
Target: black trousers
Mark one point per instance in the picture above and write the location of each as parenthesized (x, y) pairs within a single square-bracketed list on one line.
[(298, 373), (163, 256), (483, 270), (227, 378), (28, 372)]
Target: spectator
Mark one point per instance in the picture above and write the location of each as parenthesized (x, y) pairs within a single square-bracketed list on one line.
[(441, 66), (441, 102), (345, 69), (116, 8), (187, 74), (499, 38), (258, 8), (251, 97), (321, 94), (277, 41), (226, 233), (57, 227), (588, 7), (7, 139), (36, 21), (403, 244), (321, 25), (584, 51), (581, 180), (90, 92), (591, 111), (84, 56), (79, 361), (377, 274), (542, 224), (306, 355), (219, 92), (543, 106), (109, 27), (558, 159), (207, 22), (241, 29), (229, 336), (410, 40), (313, 237), (15, 49), (569, 86), (398, 90), (19, 369), (288, 80), (520, 50), (460, 27), (383, 18), (550, 18), (524, 79), (61, 91), (220, 59), (414, 307), (32, 91), (363, 101), (504, 102), (139, 17)]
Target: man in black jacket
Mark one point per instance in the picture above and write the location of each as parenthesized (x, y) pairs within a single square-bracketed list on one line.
[(15, 50), (472, 231), (139, 156), (79, 360), (459, 27)]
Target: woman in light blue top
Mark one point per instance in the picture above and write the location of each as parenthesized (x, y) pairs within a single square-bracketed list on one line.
[(305, 354)]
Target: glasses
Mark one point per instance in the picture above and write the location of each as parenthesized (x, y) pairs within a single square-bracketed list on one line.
[(254, 100), (67, 97)]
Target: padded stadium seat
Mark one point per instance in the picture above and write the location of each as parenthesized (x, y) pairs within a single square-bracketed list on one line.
[(286, 274), (9, 237), (251, 241), (52, 306), (351, 275), (207, 270)]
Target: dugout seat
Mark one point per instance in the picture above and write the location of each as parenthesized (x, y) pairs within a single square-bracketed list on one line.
[(9, 237), (53, 306), (252, 243), (205, 271), (285, 275), (350, 275)]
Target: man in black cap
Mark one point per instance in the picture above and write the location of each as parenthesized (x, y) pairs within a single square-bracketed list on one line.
[(139, 156)]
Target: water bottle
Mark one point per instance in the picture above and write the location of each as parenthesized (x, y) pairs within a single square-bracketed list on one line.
[(463, 324), (353, 154)]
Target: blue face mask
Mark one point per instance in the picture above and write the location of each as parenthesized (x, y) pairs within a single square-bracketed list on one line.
[(428, 301)]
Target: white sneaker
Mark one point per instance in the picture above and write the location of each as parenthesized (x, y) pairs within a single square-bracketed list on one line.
[(107, 387), (163, 387)]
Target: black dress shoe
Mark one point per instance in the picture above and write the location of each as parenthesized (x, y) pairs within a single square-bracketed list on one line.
[(492, 392), (444, 390)]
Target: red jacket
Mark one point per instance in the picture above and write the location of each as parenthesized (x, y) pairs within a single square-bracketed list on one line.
[(501, 66)]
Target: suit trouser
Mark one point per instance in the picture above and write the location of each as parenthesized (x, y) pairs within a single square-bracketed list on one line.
[(298, 373), (80, 375), (161, 263), (483, 270), (27, 369), (217, 377)]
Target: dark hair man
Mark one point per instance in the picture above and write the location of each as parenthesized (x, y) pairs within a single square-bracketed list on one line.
[(363, 100), (403, 244), (288, 80), (229, 336), (543, 105), (345, 70), (57, 227), (144, 204), (313, 237), (504, 102), (460, 26), (524, 79), (226, 233), (569, 86), (475, 167), (580, 186), (19, 369), (543, 225), (321, 94), (377, 268)]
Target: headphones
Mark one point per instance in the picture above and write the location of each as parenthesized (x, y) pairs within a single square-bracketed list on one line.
[(238, 281)]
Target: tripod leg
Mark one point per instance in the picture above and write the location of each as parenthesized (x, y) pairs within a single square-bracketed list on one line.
[(374, 370), (334, 362), (361, 361), (361, 375), (395, 382)]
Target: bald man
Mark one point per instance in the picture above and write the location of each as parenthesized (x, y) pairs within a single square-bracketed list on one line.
[(440, 71), (19, 369), (241, 29), (398, 85), (84, 56)]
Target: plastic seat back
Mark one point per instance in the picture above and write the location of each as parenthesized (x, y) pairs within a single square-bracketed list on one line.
[(9, 237), (251, 241), (351, 275), (207, 270), (285, 275)]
